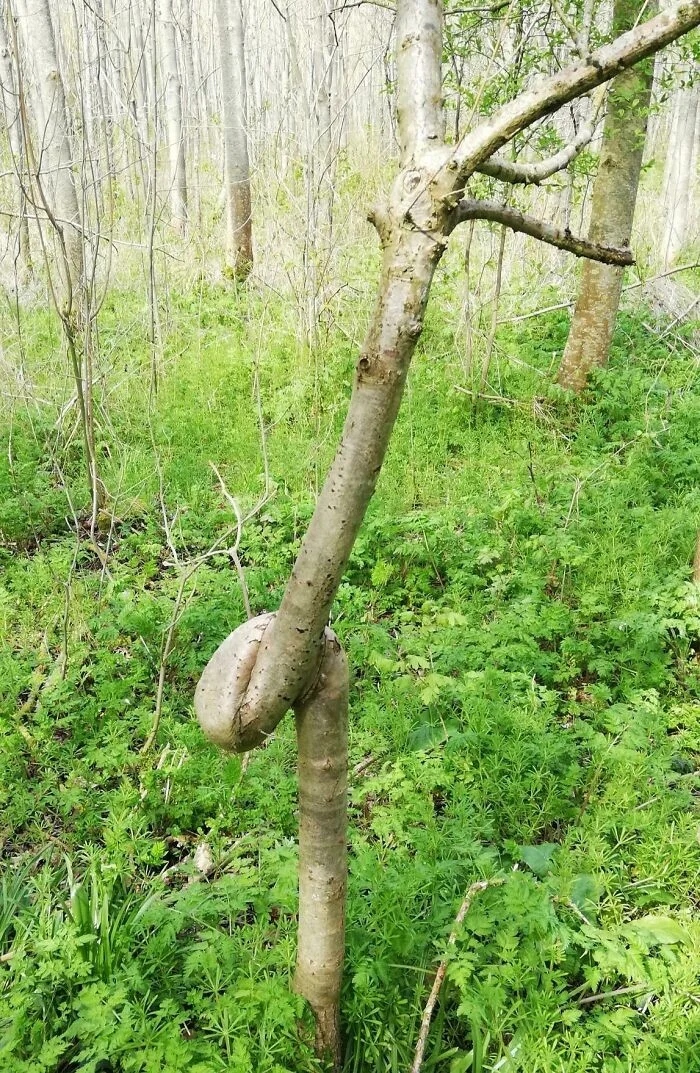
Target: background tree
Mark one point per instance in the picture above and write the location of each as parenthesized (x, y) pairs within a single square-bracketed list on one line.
[(55, 197), (239, 224), (612, 213), (173, 114), (680, 171), (10, 105)]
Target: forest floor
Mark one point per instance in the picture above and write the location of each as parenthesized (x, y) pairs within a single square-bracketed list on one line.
[(524, 636)]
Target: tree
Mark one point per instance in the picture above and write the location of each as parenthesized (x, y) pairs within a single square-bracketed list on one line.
[(9, 106), (681, 163), (173, 116), (239, 225), (57, 201), (612, 213), (290, 659)]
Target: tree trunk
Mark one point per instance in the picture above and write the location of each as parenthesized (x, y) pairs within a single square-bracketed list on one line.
[(173, 116), (612, 213), (239, 225), (53, 153), (679, 177), (9, 105), (322, 736), (51, 162)]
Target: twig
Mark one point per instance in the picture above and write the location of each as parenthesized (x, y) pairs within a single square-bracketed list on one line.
[(633, 989), (359, 769), (475, 889)]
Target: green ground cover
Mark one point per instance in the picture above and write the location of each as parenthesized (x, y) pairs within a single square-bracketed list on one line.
[(524, 636)]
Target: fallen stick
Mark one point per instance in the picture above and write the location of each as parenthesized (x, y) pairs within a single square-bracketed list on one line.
[(475, 888)]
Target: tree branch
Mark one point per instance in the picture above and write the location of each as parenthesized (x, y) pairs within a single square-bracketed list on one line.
[(469, 209), (556, 90), (536, 172)]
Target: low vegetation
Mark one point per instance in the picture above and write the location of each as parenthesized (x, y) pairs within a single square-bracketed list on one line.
[(523, 629)]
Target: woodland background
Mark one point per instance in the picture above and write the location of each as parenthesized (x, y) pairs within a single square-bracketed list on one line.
[(521, 608)]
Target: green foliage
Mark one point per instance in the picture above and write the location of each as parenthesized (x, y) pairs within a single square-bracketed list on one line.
[(523, 633)]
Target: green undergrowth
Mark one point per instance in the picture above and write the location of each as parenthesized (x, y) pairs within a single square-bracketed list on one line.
[(523, 634)]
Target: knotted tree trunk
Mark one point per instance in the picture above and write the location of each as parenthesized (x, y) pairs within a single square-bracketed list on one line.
[(289, 659)]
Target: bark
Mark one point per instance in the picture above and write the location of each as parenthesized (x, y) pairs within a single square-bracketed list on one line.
[(532, 174), (322, 735), (50, 157), (239, 226), (173, 116), (612, 214), (52, 154), (10, 109), (321, 724), (680, 172)]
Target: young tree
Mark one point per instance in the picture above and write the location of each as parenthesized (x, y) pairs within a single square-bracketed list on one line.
[(239, 224), (679, 178), (612, 212), (290, 659), (10, 111), (56, 199), (173, 115)]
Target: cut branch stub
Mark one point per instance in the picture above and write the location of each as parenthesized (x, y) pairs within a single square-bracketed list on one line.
[(221, 691)]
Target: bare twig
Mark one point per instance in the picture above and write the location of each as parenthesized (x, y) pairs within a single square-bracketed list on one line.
[(632, 990), (475, 889)]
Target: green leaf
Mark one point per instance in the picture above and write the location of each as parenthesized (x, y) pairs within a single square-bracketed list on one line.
[(662, 931), (538, 858), (584, 891)]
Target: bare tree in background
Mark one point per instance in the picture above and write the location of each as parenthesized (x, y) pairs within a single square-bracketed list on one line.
[(239, 224), (173, 114), (56, 200), (290, 659), (681, 166), (10, 110)]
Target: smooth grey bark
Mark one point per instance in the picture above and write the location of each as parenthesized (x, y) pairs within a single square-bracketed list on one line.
[(239, 224), (52, 152), (680, 167), (280, 661), (10, 110), (57, 200), (173, 115), (612, 214)]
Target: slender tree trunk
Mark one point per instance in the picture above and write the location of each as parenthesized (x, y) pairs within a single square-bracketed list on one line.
[(680, 168), (10, 108), (55, 194), (53, 152), (239, 225), (612, 213), (322, 736), (173, 116)]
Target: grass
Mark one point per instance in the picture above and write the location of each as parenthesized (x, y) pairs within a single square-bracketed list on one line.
[(523, 633)]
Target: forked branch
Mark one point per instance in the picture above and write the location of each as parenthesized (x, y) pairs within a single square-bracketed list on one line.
[(535, 172), (571, 82), (469, 209)]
